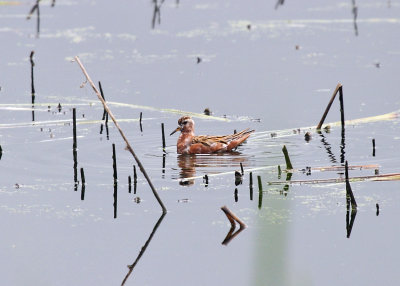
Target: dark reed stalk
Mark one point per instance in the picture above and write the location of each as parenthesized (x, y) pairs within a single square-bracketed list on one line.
[(134, 179), (341, 106), (279, 171), (329, 106), (1, 152), (129, 184), (205, 180), (74, 151), (287, 159), (349, 191), (260, 192), (140, 122), (241, 168), (102, 95), (134, 174), (128, 146), (83, 184), (163, 163), (163, 136), (251, 185), (75, 145), (373, 147), (83, 176), (32, 77), (115, 200), (259, 183), (377, 209), (114, 157), (236, 195)]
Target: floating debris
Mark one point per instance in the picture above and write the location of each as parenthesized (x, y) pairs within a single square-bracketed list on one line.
[(137, 200), (307, 137)]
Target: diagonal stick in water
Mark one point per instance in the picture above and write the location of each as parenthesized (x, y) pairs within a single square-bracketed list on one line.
[(122, 134), (337, 89)]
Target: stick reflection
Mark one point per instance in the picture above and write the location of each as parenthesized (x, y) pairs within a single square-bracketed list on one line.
[(142, 251)]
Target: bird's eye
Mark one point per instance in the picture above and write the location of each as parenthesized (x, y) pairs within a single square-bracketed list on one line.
[(184, 122)]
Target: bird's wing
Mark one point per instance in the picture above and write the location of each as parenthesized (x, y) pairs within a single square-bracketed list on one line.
[(225, 139)]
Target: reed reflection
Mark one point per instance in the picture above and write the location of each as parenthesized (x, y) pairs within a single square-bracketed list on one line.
[(156, 13), (217, 163), (279, 3), (328, 148), (34, 8), (355, 13), (350, 220)]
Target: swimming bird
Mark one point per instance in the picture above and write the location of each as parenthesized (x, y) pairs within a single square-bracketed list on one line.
[(188, 143)]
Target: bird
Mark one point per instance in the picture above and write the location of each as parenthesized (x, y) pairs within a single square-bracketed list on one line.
[(188, 143)]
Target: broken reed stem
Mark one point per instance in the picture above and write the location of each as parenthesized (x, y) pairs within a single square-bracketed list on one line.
[(83, 184), (163, 136), (339, 86), (82, 176), (241, 168), (232, 217), (32, 81), (349, 191), (287, 159), (122, 134), (129, 184)]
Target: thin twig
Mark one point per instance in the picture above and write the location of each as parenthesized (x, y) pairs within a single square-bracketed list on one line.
[(128, 146)]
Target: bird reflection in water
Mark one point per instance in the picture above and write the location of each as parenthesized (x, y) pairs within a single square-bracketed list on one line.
[(214, 163)]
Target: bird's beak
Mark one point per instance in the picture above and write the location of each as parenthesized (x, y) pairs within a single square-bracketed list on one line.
[(176, 130)]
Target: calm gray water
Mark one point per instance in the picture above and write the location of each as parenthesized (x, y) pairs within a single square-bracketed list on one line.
[(258, 65)]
